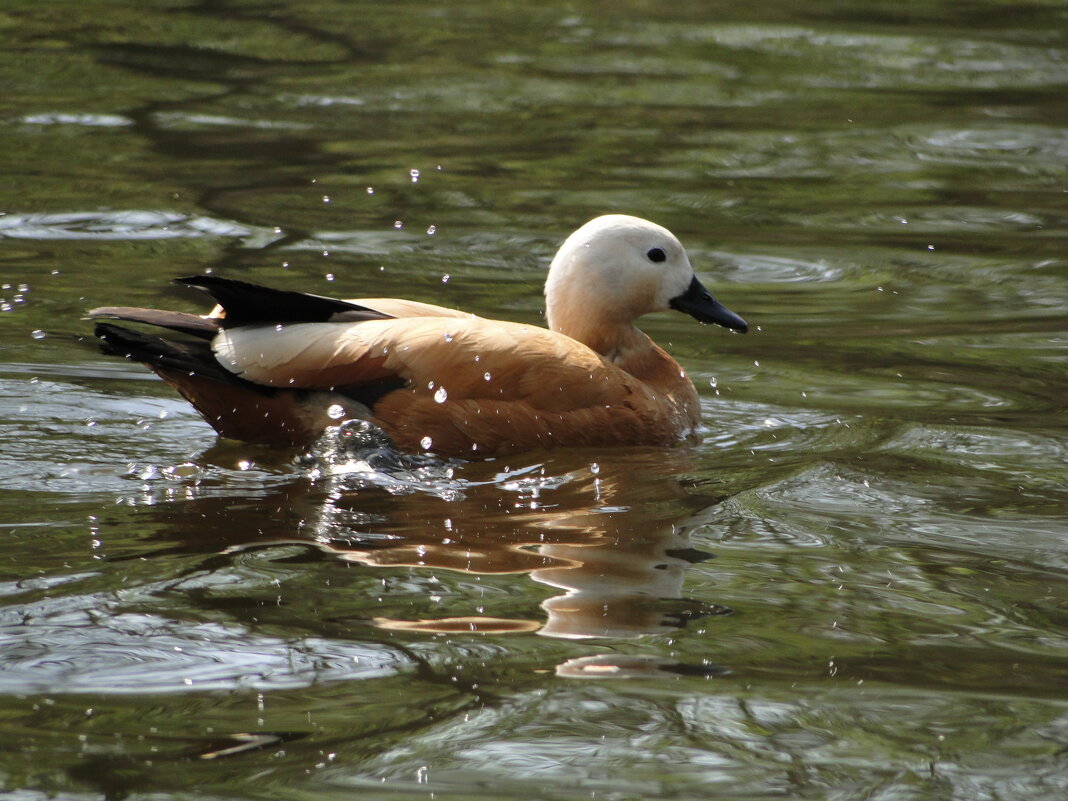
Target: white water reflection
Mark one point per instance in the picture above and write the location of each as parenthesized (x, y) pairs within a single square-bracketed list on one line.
[(87, 644), (127, 225), (67, 118)]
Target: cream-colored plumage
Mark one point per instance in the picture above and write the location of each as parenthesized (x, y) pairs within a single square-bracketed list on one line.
[(452, 383)]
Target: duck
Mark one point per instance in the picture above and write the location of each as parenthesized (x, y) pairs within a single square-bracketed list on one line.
[(279, 367)]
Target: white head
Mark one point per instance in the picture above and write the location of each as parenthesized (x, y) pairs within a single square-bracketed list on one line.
[(616, 268)]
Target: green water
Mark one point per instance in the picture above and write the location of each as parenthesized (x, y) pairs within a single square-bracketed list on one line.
[(856, 587)]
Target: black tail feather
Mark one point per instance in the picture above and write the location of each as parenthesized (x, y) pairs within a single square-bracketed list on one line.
[(192, 324), (252, 304), (193, 356)]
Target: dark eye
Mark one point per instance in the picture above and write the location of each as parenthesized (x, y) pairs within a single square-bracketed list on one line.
[(657, 255)]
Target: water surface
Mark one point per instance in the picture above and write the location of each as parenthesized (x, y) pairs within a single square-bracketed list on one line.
[(855, 587)]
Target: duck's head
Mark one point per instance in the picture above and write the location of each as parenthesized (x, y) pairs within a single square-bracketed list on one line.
[(616, 268)]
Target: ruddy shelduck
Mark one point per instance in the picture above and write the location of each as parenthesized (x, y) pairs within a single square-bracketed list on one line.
[(279, 367)]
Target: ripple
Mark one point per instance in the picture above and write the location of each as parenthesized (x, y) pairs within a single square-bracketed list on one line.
[(941, 220), (58, 436), (764, 268), (127, 225), (41, 583), (96, 651), (67, 118), (321, 100), (982, 444), (1034, 461), (833, 501), (1036, 146), (763, 427), (186, 120), (886, 60)]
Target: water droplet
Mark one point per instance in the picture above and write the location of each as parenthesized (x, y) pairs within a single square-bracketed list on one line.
[(595, 468), (486, 376), (398, 224), (38, 334), (445, 278), (447, 337), (415, 175), (329, 276), (425, 443), (326, 198), (441, 395), (370, 190), (336, 411), (433, 229)]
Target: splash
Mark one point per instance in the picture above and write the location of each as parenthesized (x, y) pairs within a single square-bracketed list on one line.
[(358, 454)]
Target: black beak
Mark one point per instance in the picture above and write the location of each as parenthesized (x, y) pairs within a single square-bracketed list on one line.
[(698, 303)]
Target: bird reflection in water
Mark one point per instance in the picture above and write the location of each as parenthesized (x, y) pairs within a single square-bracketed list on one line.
[(613, 536)]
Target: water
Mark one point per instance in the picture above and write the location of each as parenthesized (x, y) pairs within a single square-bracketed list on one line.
[(855, 587)]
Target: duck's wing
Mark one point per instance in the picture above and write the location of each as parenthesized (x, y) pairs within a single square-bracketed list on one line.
[(464, 386), (243, 303), (399, 307), (469, 356)]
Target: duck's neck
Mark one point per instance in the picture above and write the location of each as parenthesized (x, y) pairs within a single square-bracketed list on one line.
[(621, 343), (631, 350), (605, 336)]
